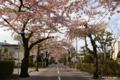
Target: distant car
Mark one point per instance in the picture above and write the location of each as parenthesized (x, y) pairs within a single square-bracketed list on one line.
[(55, 62)]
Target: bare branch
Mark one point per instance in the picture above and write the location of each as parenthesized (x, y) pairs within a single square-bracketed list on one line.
[(30, 35), (25, 25), (90, 51), (10, 25), (49, 33), (21, 4), (40, 40)]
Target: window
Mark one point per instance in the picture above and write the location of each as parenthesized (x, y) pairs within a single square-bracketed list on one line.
[(16, 48)]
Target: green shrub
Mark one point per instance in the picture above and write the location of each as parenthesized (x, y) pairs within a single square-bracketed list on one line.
[(89, 67), (6, 68), (101, 62), (110, 59), (88, 59), (31, 64), (19, 64), (100, 56), (73, 64), (109, 67), (118, 55), (40, 64)]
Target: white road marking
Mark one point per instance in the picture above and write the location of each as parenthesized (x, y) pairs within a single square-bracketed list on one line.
[(57, 67), (59, 78), (58, 71)]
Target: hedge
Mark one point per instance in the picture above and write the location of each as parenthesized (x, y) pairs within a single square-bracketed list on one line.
[(118, 55), (73, 64), (6, 67), (40, 64), (88, 59), (88, 67), (109, 67), (32, 64)]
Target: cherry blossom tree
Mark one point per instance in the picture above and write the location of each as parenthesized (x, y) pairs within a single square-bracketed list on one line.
[(31, 16), (89, 20), (57, 48), (53, 47)]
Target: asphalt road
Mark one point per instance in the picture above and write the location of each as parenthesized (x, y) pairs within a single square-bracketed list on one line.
[(58, 72)]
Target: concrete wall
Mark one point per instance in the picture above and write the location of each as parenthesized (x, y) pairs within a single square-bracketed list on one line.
[(15, 49), (116, 49)]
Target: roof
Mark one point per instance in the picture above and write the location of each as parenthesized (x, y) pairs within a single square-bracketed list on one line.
[(9, 45), (1, 43)]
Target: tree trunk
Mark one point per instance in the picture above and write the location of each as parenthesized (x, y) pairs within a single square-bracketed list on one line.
[(70, 62), (37, 61), (37, 57), (95, 74), (105, 56), (65, 61), (94, 52), (51, 60), (42, 63), (46, 62), (46, 59), (24, 66)]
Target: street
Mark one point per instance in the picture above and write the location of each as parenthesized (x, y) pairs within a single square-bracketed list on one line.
[(58, 72)]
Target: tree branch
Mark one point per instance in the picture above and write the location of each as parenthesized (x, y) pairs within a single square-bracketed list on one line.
[(10, 25), (49, 33), (30, 35), (21, 4), (40, 40), (87, 47), (24, 25), (43, 49)]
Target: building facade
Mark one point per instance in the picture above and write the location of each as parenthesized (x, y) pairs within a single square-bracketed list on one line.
[(13, 50), (116, 49)]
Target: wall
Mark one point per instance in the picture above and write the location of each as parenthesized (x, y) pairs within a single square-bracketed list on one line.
[(15, 49), (116, 49)]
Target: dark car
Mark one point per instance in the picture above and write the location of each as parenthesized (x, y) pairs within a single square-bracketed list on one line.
[(55, 62)]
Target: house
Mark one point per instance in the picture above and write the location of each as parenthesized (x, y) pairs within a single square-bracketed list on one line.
[(116, 49), (2, 54), (74, 59), (13, 50), (33, 53)]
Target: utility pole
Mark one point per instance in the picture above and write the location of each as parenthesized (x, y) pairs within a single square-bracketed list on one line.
[(76, 55)]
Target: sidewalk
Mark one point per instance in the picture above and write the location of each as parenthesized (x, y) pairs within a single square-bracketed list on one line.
[(34, 75)]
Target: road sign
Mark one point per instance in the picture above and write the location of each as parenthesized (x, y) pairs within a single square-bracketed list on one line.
[(20, 39)]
